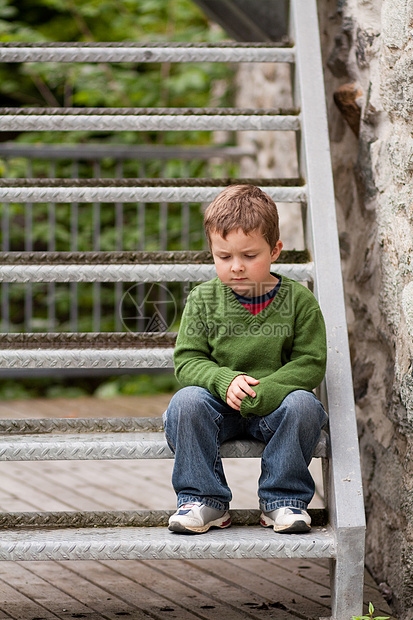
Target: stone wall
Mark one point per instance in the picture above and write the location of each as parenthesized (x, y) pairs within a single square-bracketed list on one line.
[(367, 51), (265, 86), (367, 48)]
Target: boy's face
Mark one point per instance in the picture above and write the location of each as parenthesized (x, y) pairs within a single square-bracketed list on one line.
[(243, 261)]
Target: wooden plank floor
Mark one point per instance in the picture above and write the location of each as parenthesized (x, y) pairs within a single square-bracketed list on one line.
[(206, 589)]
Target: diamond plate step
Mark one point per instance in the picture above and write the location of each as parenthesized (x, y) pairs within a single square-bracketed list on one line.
[(114, 446), (151, 119), (134, 190), (125, 518), (37, 426), (131, 273), (151, 52), (44, 426), (87, 358), (176, 257), (134, 543), (87, 340)]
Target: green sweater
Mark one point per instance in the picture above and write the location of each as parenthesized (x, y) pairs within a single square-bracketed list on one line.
[(284, 345)]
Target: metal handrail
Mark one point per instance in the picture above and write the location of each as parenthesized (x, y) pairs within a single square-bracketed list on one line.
[(345, 482)]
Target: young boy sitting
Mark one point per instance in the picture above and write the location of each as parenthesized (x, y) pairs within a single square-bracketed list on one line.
[(250, 350)]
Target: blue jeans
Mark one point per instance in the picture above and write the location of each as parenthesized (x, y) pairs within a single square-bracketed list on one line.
[(196, 423)]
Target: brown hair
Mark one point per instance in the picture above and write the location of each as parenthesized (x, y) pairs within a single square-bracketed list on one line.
[(246, 207)]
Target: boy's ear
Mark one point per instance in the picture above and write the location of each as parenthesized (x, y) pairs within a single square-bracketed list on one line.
[(276, 251)]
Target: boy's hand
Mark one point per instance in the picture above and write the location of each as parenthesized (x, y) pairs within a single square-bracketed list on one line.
[(238, 390)]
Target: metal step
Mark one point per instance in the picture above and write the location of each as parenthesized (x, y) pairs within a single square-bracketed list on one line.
[(147, 119), (139, 426), (85, 358), (134, 543), (123, 350), (126, 518), (124, 359), (131, 273), (151, 52), (115, 446), (185, 266), (140, 190), (88, 340), (40, 426), (175, 257)]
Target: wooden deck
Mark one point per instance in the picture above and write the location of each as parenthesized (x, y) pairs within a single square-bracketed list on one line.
[(206, 589)]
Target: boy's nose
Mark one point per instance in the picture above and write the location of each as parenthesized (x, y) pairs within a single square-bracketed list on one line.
[(237, 266)]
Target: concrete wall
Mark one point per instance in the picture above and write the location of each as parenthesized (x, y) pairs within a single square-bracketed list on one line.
[(368, 56)]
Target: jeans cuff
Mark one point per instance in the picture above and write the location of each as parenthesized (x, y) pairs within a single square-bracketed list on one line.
[(208, 501), (282, 503)]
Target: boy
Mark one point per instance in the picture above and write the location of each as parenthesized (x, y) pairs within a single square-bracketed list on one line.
[(250, 349)]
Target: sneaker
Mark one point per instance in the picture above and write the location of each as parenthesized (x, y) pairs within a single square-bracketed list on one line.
[(288, 520), (197, 518)]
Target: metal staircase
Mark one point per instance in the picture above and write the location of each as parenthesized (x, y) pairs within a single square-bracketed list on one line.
[(123, 536)]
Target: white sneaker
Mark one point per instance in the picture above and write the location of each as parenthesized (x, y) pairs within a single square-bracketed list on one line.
[(287, 519), (197, 518)]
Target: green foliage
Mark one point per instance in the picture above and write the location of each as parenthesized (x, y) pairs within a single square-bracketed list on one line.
[(104, 84), (370, 615), (140, 385), (41, 388), (59, 387), (102, 20)]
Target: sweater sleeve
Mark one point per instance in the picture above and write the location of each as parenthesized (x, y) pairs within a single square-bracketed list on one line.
[(192, 355), (304, 370)]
